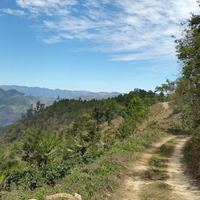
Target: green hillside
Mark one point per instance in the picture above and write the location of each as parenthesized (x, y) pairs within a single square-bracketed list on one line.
[(13, 104), (73, 142)]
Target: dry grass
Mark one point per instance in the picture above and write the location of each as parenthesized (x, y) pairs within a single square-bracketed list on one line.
[(162, 118), (157, 191)]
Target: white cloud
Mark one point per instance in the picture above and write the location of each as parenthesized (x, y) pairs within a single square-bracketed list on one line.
[(131, 29), (48, 7), (52, 39), (14, 12)]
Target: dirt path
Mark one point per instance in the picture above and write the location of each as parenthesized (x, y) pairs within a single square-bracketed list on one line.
[(135, 179), (181, 184), (166, 105)]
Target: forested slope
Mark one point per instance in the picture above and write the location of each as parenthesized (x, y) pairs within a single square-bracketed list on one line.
[(74, 145)]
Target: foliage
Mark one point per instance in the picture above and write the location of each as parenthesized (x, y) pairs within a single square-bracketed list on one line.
[(192, 155), (166, 90), (187, 94), (80, 126), (39, 147), (137, 110), (188, 86), (33, 178)]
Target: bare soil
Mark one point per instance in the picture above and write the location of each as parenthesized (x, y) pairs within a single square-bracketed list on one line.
[(182, 184), (136, 178)]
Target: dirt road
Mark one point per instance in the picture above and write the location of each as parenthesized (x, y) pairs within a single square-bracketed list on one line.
[(166, 105), (181, 185), (135, 179)]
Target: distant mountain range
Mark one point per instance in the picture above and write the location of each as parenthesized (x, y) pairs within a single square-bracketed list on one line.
[(15, 100), (44, 92), (13, 103)]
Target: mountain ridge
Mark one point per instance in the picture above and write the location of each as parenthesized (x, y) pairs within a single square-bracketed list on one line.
[(14, 103), (54, 93)]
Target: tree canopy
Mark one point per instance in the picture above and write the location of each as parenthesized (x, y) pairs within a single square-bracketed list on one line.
[(188, 53)]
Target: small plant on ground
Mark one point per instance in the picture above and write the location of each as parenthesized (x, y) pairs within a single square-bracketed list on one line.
[(158, 162), (157, 191)]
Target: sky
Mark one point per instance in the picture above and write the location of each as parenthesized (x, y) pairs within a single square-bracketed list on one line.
[(104, 45)]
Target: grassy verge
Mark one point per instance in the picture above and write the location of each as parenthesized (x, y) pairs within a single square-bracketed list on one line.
[(158, 162), (157, 191), (158, 172)]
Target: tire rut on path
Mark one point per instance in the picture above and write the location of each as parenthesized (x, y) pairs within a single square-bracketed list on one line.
[(181, 184), (130, 188)]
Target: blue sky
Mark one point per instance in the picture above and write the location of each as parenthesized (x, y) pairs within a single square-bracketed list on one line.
[(107, 45)]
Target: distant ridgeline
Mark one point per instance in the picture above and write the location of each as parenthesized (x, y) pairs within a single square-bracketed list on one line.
[(16, 100), (14, 103), (66, 94)]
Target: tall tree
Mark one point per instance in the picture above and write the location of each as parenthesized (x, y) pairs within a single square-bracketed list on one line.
[(188, 52)]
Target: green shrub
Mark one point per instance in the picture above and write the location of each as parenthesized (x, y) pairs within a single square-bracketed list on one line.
[(192, 155)]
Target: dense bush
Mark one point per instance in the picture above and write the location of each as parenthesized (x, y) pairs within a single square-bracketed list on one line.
[(192, 155), (32, 177)]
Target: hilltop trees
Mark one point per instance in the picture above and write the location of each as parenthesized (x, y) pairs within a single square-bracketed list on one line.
[(188, 86), (187, 95)]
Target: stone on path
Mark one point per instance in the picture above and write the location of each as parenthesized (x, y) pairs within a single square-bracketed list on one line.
[(60, 195)]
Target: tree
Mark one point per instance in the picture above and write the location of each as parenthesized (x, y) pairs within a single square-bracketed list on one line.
[(29, 112), (188, 52), (136, 111), (39, 106), (166, 88), (39, 146)]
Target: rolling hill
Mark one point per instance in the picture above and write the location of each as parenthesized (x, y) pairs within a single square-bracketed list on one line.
[(14, 103)]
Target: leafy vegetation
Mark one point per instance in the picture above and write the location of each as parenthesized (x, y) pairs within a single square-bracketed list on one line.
[(38, 147), (187, 93), (192, 156), (73, 145)]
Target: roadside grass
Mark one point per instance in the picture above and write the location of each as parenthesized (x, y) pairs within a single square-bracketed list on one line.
[(157, 191), (158, 162), (158, 172)]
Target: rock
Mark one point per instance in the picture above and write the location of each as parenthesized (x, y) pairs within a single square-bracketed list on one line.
[(78, 196), (60, 195)]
